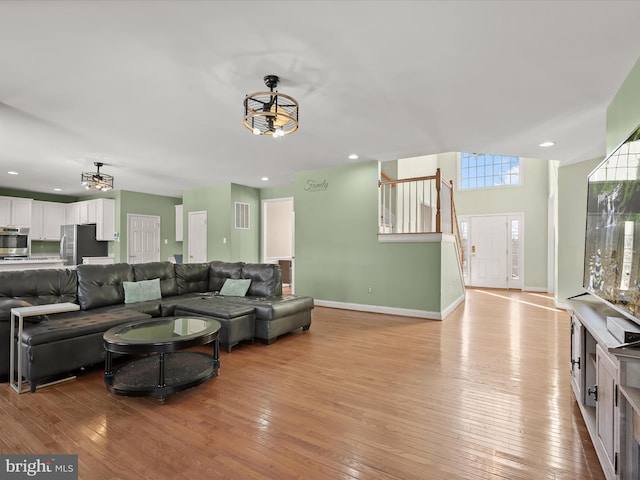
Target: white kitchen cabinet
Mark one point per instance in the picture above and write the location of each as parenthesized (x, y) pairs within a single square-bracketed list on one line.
[(54, 218), (46, 219), (179, 222), (101, 211), (88, 211), (37, 214), (15, 211), (72, 214), (105, 218)]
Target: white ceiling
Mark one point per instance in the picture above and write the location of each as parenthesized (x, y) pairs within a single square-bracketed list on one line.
[(154, 89)]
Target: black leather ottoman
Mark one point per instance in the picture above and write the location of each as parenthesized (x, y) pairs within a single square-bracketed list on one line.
[(64, 342), (238, 321)]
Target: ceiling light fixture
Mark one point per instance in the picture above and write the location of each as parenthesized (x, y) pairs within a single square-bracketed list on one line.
[(546, 144), (12, 173), (353, 156), (271, 113), (97, 180)]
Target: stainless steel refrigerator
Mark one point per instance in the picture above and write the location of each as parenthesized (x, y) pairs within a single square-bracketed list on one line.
[(77, 241)]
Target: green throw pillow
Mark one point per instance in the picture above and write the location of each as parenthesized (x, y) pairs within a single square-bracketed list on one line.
[(235, 288), (142, 291)]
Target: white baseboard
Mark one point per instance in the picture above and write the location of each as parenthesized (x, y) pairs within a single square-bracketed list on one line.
[(404, 312), (447, 311), (536, 289)]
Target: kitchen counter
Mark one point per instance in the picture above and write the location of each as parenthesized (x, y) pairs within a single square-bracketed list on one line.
[(32, 263)]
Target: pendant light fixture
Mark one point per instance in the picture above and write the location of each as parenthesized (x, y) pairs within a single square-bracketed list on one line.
[(271, 113), (97, 180)]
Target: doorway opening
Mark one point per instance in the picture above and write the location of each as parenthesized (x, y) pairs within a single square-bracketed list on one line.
[(278, 220)]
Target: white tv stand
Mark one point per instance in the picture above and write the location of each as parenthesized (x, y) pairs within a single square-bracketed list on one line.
[(606, 383)]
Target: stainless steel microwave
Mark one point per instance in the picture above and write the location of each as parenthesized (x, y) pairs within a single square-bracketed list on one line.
[(14, 242)]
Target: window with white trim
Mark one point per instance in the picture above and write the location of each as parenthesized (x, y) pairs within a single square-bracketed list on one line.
[(481, 170)]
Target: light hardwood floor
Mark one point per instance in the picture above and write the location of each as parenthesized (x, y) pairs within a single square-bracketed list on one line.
[(485, 394)]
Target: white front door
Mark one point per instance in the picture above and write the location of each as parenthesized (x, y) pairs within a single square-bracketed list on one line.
[(197, 237), (143, 238), (493, 250), (488, 251)]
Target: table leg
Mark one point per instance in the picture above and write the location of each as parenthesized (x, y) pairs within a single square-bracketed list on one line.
[(161, 381), (108, 369), (161, 370), (216, 355)]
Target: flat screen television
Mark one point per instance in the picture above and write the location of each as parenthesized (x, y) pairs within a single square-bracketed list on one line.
[(612, 239)]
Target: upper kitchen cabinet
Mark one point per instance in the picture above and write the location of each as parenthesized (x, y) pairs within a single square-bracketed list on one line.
[(46, 219), (105, 218), (101, 211), (15, 211), (179, 222)]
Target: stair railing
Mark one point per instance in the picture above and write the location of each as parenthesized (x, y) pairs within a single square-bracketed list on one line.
[(418, 205)]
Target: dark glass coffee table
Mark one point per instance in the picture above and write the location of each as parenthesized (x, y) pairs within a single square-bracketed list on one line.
[(161, 366)]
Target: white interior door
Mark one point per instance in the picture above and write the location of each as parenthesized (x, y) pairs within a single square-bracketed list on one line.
[(197, 237), (489, 252), (143, 238)]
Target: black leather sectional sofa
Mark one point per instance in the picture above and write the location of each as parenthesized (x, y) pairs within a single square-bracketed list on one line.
[(63, 342)]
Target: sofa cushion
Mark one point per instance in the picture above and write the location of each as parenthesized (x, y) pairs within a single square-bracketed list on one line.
[(235, 287), (162, 270), (192, 277), (272, 308), (220, 271), (35, 287), (101, 285), (61, 326), (266, 279), (141, 291)]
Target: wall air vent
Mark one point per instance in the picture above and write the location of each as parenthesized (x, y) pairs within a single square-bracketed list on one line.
[(242, 216)]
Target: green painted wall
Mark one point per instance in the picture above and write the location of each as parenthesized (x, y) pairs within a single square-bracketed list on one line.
[(623, 113), (216, 201), (277, 192), (572, 212), (245, 244), (451, 281), (44, 197), (145, 204), (338, 256)]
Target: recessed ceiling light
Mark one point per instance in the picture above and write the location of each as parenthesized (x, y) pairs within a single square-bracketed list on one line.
[(353, 156), (57, 189), (265, 179), (547, 144), (12, 173)]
